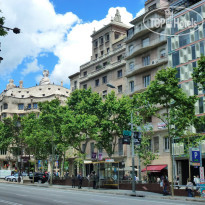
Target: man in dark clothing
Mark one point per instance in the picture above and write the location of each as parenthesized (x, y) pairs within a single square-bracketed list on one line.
[(80, 181), (73, 181)]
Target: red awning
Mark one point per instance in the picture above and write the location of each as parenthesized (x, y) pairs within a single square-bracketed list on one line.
[(154, 168)]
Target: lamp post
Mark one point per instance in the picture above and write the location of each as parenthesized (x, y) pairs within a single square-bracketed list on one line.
[(132, 147)]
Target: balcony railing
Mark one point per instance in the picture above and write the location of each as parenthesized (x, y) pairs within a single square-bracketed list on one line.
[(102, 57), (153, 63), (138, 49)]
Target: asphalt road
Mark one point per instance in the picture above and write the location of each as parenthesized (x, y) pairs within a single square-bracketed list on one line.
[(14, 194)]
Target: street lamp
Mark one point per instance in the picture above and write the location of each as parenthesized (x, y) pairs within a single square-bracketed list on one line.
[(15, 30), (133, 151)]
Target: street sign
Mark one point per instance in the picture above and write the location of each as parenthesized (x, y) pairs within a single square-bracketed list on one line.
[(126, 137), (201, 173), (195, 156)]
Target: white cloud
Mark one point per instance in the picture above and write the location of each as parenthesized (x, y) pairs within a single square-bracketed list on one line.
[(42, 31), (32, 67), (140, 12)]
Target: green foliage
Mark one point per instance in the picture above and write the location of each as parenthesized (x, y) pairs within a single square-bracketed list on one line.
[(2, 31), (199, 73)]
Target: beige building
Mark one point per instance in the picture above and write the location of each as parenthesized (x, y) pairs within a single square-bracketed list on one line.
[(107, 65), (146, 53), (21, 101)]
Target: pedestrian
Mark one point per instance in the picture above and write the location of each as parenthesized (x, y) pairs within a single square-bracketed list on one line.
[(80, 181), (73, 180), (189, 188), (94, 180), (197, 182), (165, 185)]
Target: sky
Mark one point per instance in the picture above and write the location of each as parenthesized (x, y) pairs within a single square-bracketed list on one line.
[(55, 35)]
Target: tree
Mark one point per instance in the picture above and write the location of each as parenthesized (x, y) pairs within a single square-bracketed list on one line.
[(114, 118), (2, 30), (80, 119), (178, 109), (199, 73)]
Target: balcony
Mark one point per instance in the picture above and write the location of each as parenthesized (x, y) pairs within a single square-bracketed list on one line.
[(102, 57), (140, 49), (143, 30), (142, 68), (102, 70)]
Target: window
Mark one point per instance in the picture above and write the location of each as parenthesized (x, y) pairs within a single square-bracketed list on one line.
[(131, 47), (108, 50), (104, 94), (43, 95), (131, 65), (117, 35), (4, 115), (175, 59), (101, 53), (96, 55), (195, 15), (146, 80), (97, 82), (75, 84), (119, 58), (29, 106), (130, 32), (131, 86), (162, 53), (178, 73), (146, 60), (5, 106), (193, 50), (3, 152), (101, 40), (196, 33), (169, 41), (83, 147), (107, 37), (184, 38), (119, 88), (95, 44), (145, 42), (152, 7), (85, 86), (202, 47), (162, 36), (156, 144), (85, 73), (35, 105), (98, 67), (194, 64), (21, 106), (166, 144), (195, 89), (201, 105), (204, 29), (119, 73), (139, 27), (104, 64), (120, 147), (104, 79)]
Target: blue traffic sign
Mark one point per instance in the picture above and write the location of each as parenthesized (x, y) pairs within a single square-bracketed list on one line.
[(195, 156)]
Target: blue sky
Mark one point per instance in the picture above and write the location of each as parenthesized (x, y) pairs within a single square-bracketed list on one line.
[(55, 35)]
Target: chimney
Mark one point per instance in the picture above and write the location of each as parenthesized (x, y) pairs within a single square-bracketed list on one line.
[(21, 84)]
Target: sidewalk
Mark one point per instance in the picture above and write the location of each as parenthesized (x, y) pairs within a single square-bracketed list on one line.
[(113, 191)]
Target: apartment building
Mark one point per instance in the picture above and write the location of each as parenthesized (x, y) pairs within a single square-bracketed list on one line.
[(107, 65), (22, 101), (185, 47), (146, 53)]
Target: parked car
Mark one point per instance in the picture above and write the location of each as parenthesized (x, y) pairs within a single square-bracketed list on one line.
[(39, 177), (6, 178), (14, 178)]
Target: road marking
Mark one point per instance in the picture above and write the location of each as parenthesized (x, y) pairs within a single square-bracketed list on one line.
[(9, 202)]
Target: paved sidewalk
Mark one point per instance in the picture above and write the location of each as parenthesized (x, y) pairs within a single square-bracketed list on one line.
[(113, 191)]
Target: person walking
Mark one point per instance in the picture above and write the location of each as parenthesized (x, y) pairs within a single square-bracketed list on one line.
[(190, 188), (80, 181), (165, 185), (197, 182), (94, 181), (73, 180)]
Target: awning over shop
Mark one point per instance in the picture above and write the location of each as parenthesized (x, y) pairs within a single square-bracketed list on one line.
[(154, 168)]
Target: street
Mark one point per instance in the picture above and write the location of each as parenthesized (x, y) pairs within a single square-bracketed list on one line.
[(15, 194)]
